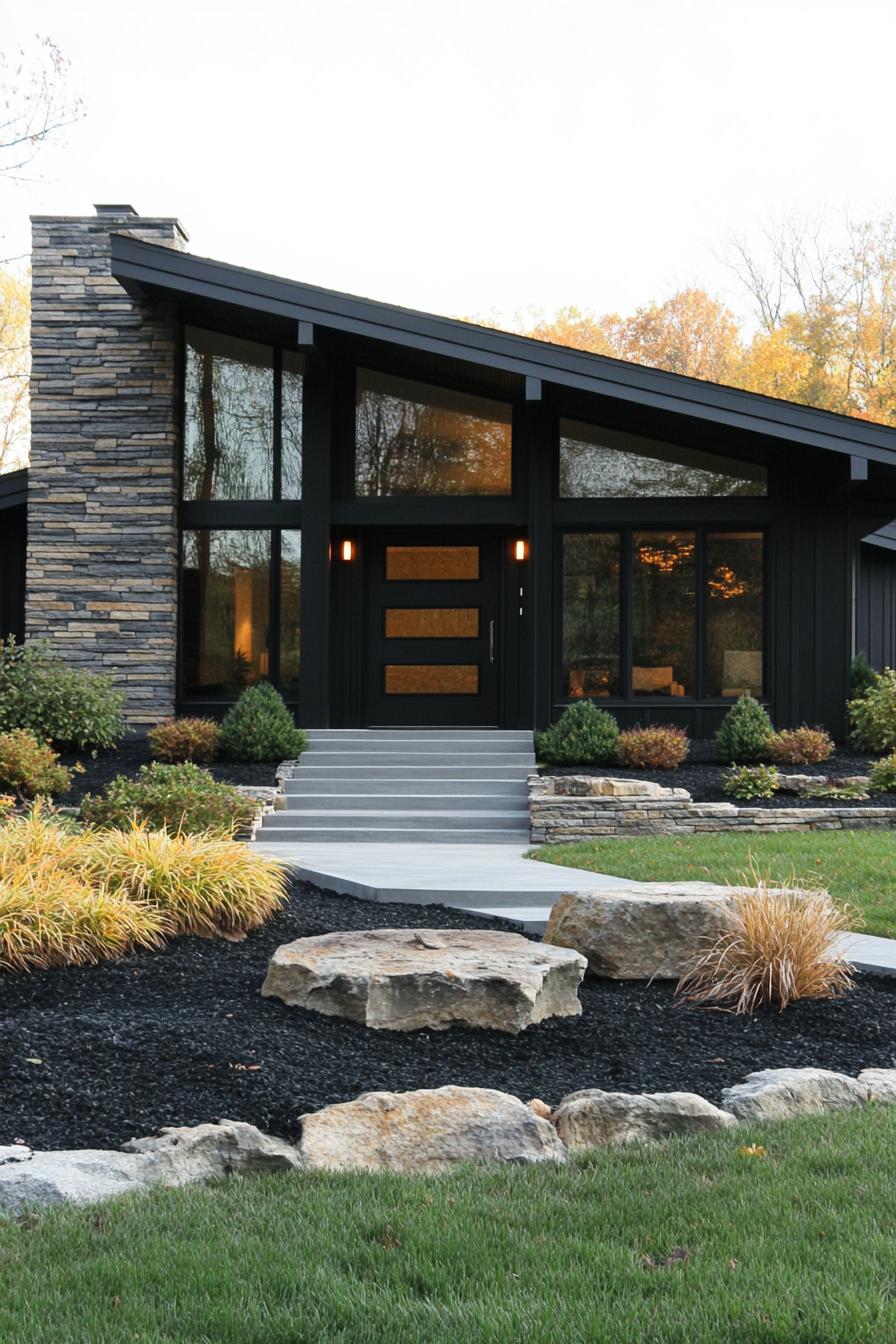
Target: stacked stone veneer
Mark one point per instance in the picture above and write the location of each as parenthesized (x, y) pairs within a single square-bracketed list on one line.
[(577, 807), (102, 517)]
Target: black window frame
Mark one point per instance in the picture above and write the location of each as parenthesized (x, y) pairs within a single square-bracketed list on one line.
[(626, 530)]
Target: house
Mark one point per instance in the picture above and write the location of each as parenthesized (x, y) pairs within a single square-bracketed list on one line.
[(400, 518)]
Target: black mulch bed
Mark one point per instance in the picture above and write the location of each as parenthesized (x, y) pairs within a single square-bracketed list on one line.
[(702, 775), (91, 1056), (134, 752)]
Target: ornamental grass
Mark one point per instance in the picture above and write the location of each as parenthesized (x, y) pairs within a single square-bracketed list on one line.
[(781, 946), (70, 896), (53, 914), (201, 884)]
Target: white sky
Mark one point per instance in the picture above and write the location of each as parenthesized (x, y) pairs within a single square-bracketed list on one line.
[(470, 156)]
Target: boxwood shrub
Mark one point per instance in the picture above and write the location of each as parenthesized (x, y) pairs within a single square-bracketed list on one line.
[(583, 735)]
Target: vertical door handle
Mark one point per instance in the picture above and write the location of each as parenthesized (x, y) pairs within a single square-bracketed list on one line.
[(491, 641)]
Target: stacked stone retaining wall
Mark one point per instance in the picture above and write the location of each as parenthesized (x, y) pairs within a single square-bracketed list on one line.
[(581, 807)]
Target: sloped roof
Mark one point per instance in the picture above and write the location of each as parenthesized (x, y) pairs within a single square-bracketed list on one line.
[(148, 267)]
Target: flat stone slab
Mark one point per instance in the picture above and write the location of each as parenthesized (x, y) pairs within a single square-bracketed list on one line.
[(405, 979)]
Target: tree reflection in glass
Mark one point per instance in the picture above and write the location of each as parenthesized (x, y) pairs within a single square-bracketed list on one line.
[(414, 439), (597, 463), (228, 418), (664, 613), (590, 614)]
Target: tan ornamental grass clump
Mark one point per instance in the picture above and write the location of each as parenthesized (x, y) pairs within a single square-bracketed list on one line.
[(70, 896), (52, 913), (203, 884), (780, 947)]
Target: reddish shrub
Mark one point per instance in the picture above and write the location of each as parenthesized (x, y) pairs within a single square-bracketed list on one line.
[(179, 740), (655, 748), (799, 746)]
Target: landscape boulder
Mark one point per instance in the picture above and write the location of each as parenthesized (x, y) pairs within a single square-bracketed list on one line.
[(880, 1084), (404, 979), (79, 1176), (779, 1094), (592, 1118), (640, 931), (426, 1131), (179, 1156)]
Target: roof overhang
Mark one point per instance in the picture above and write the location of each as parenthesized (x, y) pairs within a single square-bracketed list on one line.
[(158, 271)]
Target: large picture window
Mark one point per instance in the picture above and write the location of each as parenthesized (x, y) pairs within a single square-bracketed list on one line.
[(415, 439), (236, 446), (598, 463), (240, 608), (675, 614)]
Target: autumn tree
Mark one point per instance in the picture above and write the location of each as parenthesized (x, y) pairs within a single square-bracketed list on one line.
[(14, 364)]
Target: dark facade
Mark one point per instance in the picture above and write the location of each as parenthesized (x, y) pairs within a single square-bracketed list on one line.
[(403, 519), (13, 495)]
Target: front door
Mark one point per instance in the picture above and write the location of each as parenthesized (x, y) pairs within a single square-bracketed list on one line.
[(433, 636)]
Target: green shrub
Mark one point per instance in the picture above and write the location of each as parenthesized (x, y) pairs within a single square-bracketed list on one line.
[(862, 676), (67, 706), (30, 767), (883, 775), (745, 731), (259, 727), (179, 797), (583, 735), (177, 740), (653, 748), (873, 715), (751, 781), (800, 746)]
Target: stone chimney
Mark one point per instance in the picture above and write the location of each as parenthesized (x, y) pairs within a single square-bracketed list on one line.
[(102, 497)]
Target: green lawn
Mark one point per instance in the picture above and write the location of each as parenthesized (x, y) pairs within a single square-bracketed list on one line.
[(855, 866), (695, 1243)]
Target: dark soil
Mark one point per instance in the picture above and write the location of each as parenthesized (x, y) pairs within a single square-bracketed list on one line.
[(91, 1056), (703, 773), (127, 759)]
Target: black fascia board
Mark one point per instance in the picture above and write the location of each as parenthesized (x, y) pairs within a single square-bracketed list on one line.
[(13, 488), (182, 274)]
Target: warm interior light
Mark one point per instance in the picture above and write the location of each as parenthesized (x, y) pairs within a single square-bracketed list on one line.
[(519, 550), (348, 550)]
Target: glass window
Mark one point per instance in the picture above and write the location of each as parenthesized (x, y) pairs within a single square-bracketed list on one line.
[(291, 425), (733, 613), (600, 463), (664, 613), (228, 418), (591, 614), (413, 439), (225, 611), (290, 612)]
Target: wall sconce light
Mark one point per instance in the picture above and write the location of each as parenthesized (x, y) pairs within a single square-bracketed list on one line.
[(347, 550), (520, 550)]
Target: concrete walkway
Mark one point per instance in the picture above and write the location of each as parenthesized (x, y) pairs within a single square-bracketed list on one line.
[(491, 880), (484, 879)]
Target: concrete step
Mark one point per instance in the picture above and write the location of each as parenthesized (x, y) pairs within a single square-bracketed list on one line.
[(423, 746), (347, 771), (304, 786), (392, 835), (405, 734), (411, 818), (321, 756), (393, 801)]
